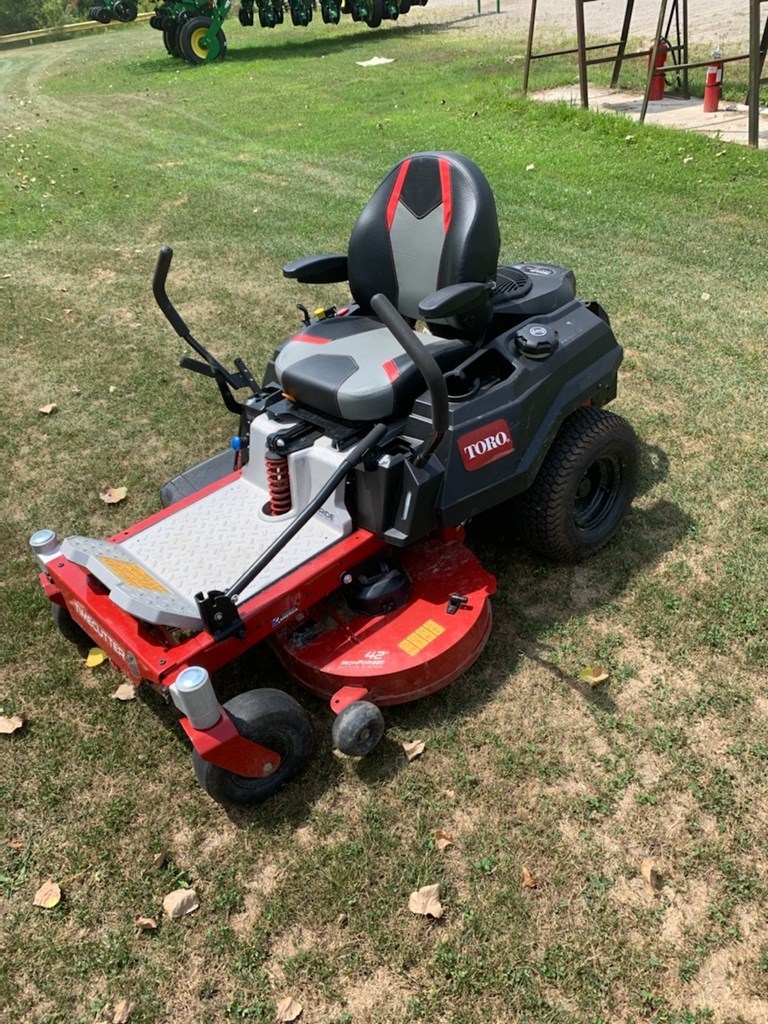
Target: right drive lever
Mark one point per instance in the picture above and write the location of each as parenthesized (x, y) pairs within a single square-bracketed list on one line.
[(425, 363)]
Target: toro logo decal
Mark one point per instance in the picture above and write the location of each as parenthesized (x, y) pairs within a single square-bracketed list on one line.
[(485, 445)]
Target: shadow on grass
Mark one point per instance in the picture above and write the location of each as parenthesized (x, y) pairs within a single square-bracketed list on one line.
[(296, 46), (531, 600)]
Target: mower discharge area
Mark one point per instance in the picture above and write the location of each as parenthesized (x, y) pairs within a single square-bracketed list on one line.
[(333, 527), (192, 29)]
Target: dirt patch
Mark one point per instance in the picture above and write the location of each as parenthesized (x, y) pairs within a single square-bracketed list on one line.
[(686, 913), (720, 987), (365, 998), (253, 902)]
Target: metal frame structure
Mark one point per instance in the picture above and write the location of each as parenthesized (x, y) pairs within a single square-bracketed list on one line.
[(677, 13)]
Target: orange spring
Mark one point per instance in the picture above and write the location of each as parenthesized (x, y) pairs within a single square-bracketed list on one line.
[(279, 484)]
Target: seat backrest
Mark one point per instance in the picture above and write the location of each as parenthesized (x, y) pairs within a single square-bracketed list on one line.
[(431, 223)]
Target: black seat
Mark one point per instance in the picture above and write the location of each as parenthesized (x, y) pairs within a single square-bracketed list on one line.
[(430, 225)]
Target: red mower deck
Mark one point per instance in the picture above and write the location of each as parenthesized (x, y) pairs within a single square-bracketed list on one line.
[(407, 654)]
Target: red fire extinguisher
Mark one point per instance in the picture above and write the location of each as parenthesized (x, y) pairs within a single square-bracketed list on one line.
[(657, 82), (713, 83)]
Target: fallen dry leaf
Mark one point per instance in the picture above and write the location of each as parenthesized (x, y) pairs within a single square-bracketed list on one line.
[(426, 901), (442, 839), (121, 1012), (180, 902), (287, 1010), (593, 675), (48, 895), (111, 495), (414, 749), (125, 691), (158, 861), (146, 924), (651, 874), (95, 658), (528, 880), (46, 410), (11, 724)]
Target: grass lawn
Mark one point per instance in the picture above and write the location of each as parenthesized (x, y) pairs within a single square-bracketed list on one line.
[(112, 149)]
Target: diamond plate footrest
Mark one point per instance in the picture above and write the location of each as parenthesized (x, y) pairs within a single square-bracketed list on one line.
[(131, 584)]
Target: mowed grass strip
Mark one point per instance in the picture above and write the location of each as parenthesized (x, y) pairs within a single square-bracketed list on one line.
[(112, 149)]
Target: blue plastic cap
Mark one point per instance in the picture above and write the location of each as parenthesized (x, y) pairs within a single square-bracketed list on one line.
[(236, 443)]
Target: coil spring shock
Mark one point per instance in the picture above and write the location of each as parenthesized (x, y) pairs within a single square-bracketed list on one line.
[(279, 484)]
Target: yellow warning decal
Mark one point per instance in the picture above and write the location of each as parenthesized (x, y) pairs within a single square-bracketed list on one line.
[(133, 575), (420, 637)]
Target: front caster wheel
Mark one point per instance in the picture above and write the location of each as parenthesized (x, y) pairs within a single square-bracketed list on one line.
[(358, 728), (69, 629), (584, 486), (276, 721)]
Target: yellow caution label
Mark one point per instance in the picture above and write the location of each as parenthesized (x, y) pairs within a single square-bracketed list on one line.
[(420, 637), (133, 575)]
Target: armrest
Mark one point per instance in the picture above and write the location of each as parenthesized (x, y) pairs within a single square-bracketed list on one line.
[(325, 269), (454, 300)]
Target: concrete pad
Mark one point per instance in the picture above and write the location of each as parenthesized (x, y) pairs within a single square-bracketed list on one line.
[(729, 123)]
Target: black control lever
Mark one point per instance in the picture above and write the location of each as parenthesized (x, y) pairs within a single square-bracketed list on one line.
[(425, 363), (223, 377), (159, 278)]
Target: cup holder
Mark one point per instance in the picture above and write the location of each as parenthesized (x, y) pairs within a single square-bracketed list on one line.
[(481, 370)]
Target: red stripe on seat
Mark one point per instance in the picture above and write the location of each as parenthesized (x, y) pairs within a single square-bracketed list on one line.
[(394, 199), (310, 339), (445, 186), (391, 370)]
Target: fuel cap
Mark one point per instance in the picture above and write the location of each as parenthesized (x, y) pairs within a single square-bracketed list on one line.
[(537, 341)]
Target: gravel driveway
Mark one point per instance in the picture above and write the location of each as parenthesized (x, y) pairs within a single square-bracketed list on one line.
[(710, 22)]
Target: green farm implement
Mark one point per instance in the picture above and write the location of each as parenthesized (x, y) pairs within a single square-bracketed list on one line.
[(192, 29), (113, 10)]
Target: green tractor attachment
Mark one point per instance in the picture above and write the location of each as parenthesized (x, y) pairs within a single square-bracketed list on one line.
[(192, 28), (113, 10)]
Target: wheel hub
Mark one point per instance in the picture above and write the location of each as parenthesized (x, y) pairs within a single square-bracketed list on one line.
[(596, 493)]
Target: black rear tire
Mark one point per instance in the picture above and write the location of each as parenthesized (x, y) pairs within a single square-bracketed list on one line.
[(171, 41), (377, 13), (276, 721), (584, 487)]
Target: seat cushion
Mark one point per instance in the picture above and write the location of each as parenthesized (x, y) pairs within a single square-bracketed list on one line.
[(353, 368)]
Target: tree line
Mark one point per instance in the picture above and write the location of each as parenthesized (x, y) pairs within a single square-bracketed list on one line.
[(24, 15)]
